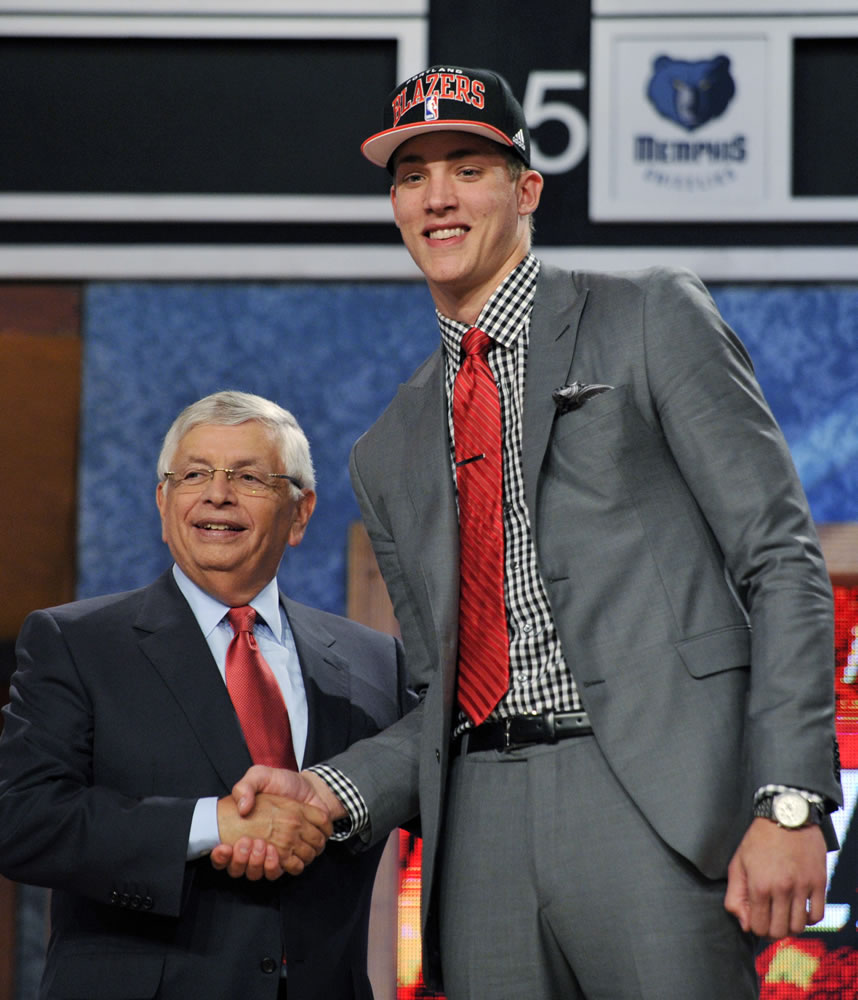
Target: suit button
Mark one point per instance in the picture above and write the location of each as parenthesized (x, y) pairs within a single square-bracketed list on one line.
[(437, 755), (148, 902), (124, 899), (114, 898), (136, 902), (268, 965)]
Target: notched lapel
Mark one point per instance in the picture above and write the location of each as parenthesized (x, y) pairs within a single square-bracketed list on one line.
[(326, 685), (171, 640), (434, 533), (554, 323), (423, 410)]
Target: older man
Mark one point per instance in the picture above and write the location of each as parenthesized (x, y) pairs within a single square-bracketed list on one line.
[(132, 715)]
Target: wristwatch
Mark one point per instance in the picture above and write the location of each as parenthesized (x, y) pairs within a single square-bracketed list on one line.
[(788, 809)]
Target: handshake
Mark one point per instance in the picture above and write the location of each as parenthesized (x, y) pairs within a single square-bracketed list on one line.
[(274, 822)]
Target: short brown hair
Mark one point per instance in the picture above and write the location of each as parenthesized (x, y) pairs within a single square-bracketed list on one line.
[(515, 168)]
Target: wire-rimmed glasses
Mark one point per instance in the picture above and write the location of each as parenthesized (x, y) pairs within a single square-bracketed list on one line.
[(249, 482)]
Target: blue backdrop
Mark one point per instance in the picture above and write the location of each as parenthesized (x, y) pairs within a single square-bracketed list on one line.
[(334, 355)]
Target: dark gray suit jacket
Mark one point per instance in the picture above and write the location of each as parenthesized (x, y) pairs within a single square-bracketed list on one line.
[(119, 721), (675, 543)]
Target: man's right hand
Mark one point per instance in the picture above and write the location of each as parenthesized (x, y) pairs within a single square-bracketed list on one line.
[(274, 835), (255, 859), (302, 786)]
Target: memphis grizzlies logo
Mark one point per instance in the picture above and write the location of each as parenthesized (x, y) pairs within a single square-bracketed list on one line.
[(691, 93)]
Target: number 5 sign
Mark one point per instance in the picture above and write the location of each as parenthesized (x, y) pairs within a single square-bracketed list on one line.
[(538, 109)]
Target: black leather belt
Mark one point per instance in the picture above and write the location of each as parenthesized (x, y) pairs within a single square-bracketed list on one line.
[(523, 730)]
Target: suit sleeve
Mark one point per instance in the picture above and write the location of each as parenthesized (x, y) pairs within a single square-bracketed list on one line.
[(732, 454), (58, 827), (384, 768), (420, 663)]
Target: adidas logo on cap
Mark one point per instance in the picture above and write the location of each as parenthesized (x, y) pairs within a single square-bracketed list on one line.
[(518, 139)]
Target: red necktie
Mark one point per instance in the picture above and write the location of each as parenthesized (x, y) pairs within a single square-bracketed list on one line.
[(483, 637), (256, 696)]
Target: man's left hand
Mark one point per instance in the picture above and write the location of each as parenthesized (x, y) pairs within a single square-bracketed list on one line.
[(776, 879)]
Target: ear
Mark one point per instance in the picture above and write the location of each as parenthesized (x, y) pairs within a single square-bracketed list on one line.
[(161, 501), (303, 512), (530, 186)]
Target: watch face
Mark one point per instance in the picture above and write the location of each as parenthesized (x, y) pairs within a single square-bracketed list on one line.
[(790, 809)]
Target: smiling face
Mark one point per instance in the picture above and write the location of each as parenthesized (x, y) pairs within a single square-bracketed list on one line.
[(462, 217), (230, 544)]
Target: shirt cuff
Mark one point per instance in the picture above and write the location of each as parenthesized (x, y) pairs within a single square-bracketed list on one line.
[(811, 797), (356, 822), (204, 833)]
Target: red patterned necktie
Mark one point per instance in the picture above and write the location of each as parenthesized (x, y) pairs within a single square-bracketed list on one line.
[(256, 696), (483, 637)]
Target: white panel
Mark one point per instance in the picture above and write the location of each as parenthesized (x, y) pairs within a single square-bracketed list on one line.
[(735, 167), (378, 263), (70, 26), (290, 8), (194, 208), (698, 8)]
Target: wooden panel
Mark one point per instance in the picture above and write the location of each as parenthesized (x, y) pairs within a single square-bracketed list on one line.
[(39, 389), (40, 309), (366, 595)]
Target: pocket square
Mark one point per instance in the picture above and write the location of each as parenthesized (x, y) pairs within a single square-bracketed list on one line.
[(570, 397)]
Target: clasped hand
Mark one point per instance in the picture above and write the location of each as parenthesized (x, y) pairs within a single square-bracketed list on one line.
[(274, 822)]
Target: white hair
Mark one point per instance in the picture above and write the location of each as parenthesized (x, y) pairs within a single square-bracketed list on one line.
[(229, 408)]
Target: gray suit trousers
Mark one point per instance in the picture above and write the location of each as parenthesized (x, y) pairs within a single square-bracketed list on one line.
[(554, 887)]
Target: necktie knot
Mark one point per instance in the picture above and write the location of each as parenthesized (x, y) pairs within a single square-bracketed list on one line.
[(242, 619), (475, 341)]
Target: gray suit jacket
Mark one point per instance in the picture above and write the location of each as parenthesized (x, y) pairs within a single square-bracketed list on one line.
[(675, 543), (119, 721)]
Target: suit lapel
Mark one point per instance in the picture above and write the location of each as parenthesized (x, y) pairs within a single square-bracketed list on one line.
[(428, 478), (424, 410), (557, 311), (326, 684), (171, 640)]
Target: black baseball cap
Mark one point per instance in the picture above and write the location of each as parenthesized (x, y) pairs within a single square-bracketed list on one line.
[(449, 97)]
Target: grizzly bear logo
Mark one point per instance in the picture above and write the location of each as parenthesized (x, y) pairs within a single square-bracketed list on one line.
[(691, 93)]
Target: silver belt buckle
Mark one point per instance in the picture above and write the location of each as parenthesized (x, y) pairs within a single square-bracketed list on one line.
[(507, 742)]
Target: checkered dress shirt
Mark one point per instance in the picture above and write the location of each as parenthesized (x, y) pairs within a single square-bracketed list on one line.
[(539, 676)]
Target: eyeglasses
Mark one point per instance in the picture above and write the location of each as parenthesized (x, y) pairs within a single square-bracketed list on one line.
[(249, 482)]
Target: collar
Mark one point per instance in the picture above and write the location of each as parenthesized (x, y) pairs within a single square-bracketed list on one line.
[(503, 316), (210, 612)]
